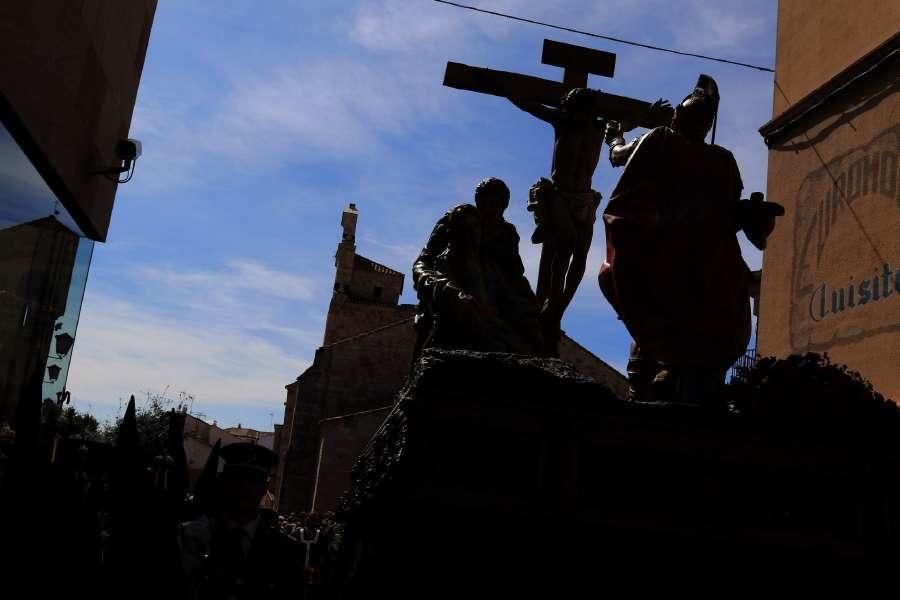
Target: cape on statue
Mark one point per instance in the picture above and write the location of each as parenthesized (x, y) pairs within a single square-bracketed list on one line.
[(674, 271)]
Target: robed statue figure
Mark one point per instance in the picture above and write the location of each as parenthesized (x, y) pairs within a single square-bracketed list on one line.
[(674, 271), (469, 277)]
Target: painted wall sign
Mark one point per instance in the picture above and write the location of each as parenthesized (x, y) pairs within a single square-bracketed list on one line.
[(825, 301), (845, 283)]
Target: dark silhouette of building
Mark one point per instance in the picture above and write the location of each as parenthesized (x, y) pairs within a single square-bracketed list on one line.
[(337, 404)]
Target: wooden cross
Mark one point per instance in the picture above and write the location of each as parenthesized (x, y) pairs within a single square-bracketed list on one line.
[(577, 62)]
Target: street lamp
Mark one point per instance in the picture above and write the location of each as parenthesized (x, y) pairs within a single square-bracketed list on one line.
[(63, 344), (53, 371)]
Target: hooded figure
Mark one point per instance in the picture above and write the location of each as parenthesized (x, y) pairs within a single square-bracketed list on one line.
[(674, 271), (469, 277)]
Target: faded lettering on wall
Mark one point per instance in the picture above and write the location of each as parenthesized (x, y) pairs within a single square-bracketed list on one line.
[(846, 239)]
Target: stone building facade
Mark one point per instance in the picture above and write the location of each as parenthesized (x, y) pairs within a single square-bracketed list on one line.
[(200, 437), (831, 276), (337, 404), (69, 75)]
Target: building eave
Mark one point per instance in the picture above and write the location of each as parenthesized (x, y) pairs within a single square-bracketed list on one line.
[(870, 64)]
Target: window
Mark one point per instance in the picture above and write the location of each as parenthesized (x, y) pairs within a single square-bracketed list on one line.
[(44, 261)]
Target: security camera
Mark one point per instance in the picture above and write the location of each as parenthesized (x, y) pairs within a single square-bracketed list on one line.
[(128, 150)]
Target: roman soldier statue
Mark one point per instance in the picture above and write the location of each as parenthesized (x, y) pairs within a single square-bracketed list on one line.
[(674, 271)]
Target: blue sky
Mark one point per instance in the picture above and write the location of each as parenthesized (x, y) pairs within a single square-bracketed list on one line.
[(260, 121)]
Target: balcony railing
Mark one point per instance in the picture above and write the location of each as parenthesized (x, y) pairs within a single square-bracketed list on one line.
[(747, 361)]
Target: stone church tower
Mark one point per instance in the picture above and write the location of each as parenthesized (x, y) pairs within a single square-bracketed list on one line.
[(366, 293), (364, 358)]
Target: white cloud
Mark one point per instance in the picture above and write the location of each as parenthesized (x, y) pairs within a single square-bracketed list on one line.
[(231, 336), (238, 274), (325, 105), (401, 25), (257, 277), (336, 104), (718, 25), (169, 119), (389, 252), (122, 349), (297, 113)]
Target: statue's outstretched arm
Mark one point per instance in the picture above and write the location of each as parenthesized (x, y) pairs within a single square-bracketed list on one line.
[(619, 149), (541, 111)]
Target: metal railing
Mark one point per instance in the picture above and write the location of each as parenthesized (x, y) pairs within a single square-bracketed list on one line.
[(747, 361)]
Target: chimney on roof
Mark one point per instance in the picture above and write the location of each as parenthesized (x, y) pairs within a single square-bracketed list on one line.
[(348, 222), (346, 250)]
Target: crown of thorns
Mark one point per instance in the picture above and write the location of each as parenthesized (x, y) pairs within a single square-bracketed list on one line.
[(491, 186), (577, 98)]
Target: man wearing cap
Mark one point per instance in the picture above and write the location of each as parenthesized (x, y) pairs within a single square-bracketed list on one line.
[(233, 552), (674, 271)]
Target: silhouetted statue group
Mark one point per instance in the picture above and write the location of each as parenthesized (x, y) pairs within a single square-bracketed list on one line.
[(673, 271)]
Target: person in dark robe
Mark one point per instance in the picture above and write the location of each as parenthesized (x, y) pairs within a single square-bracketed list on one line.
[(237, 551), (674, 271), (471, 283)]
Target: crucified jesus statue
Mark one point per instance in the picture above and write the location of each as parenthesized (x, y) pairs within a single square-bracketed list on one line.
[(565, 206)]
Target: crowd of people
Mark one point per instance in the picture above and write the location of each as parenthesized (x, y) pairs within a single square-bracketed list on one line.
[(108, 520)]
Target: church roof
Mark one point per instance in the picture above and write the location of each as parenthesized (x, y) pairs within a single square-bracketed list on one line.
[(361, 263), (375, 330)]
